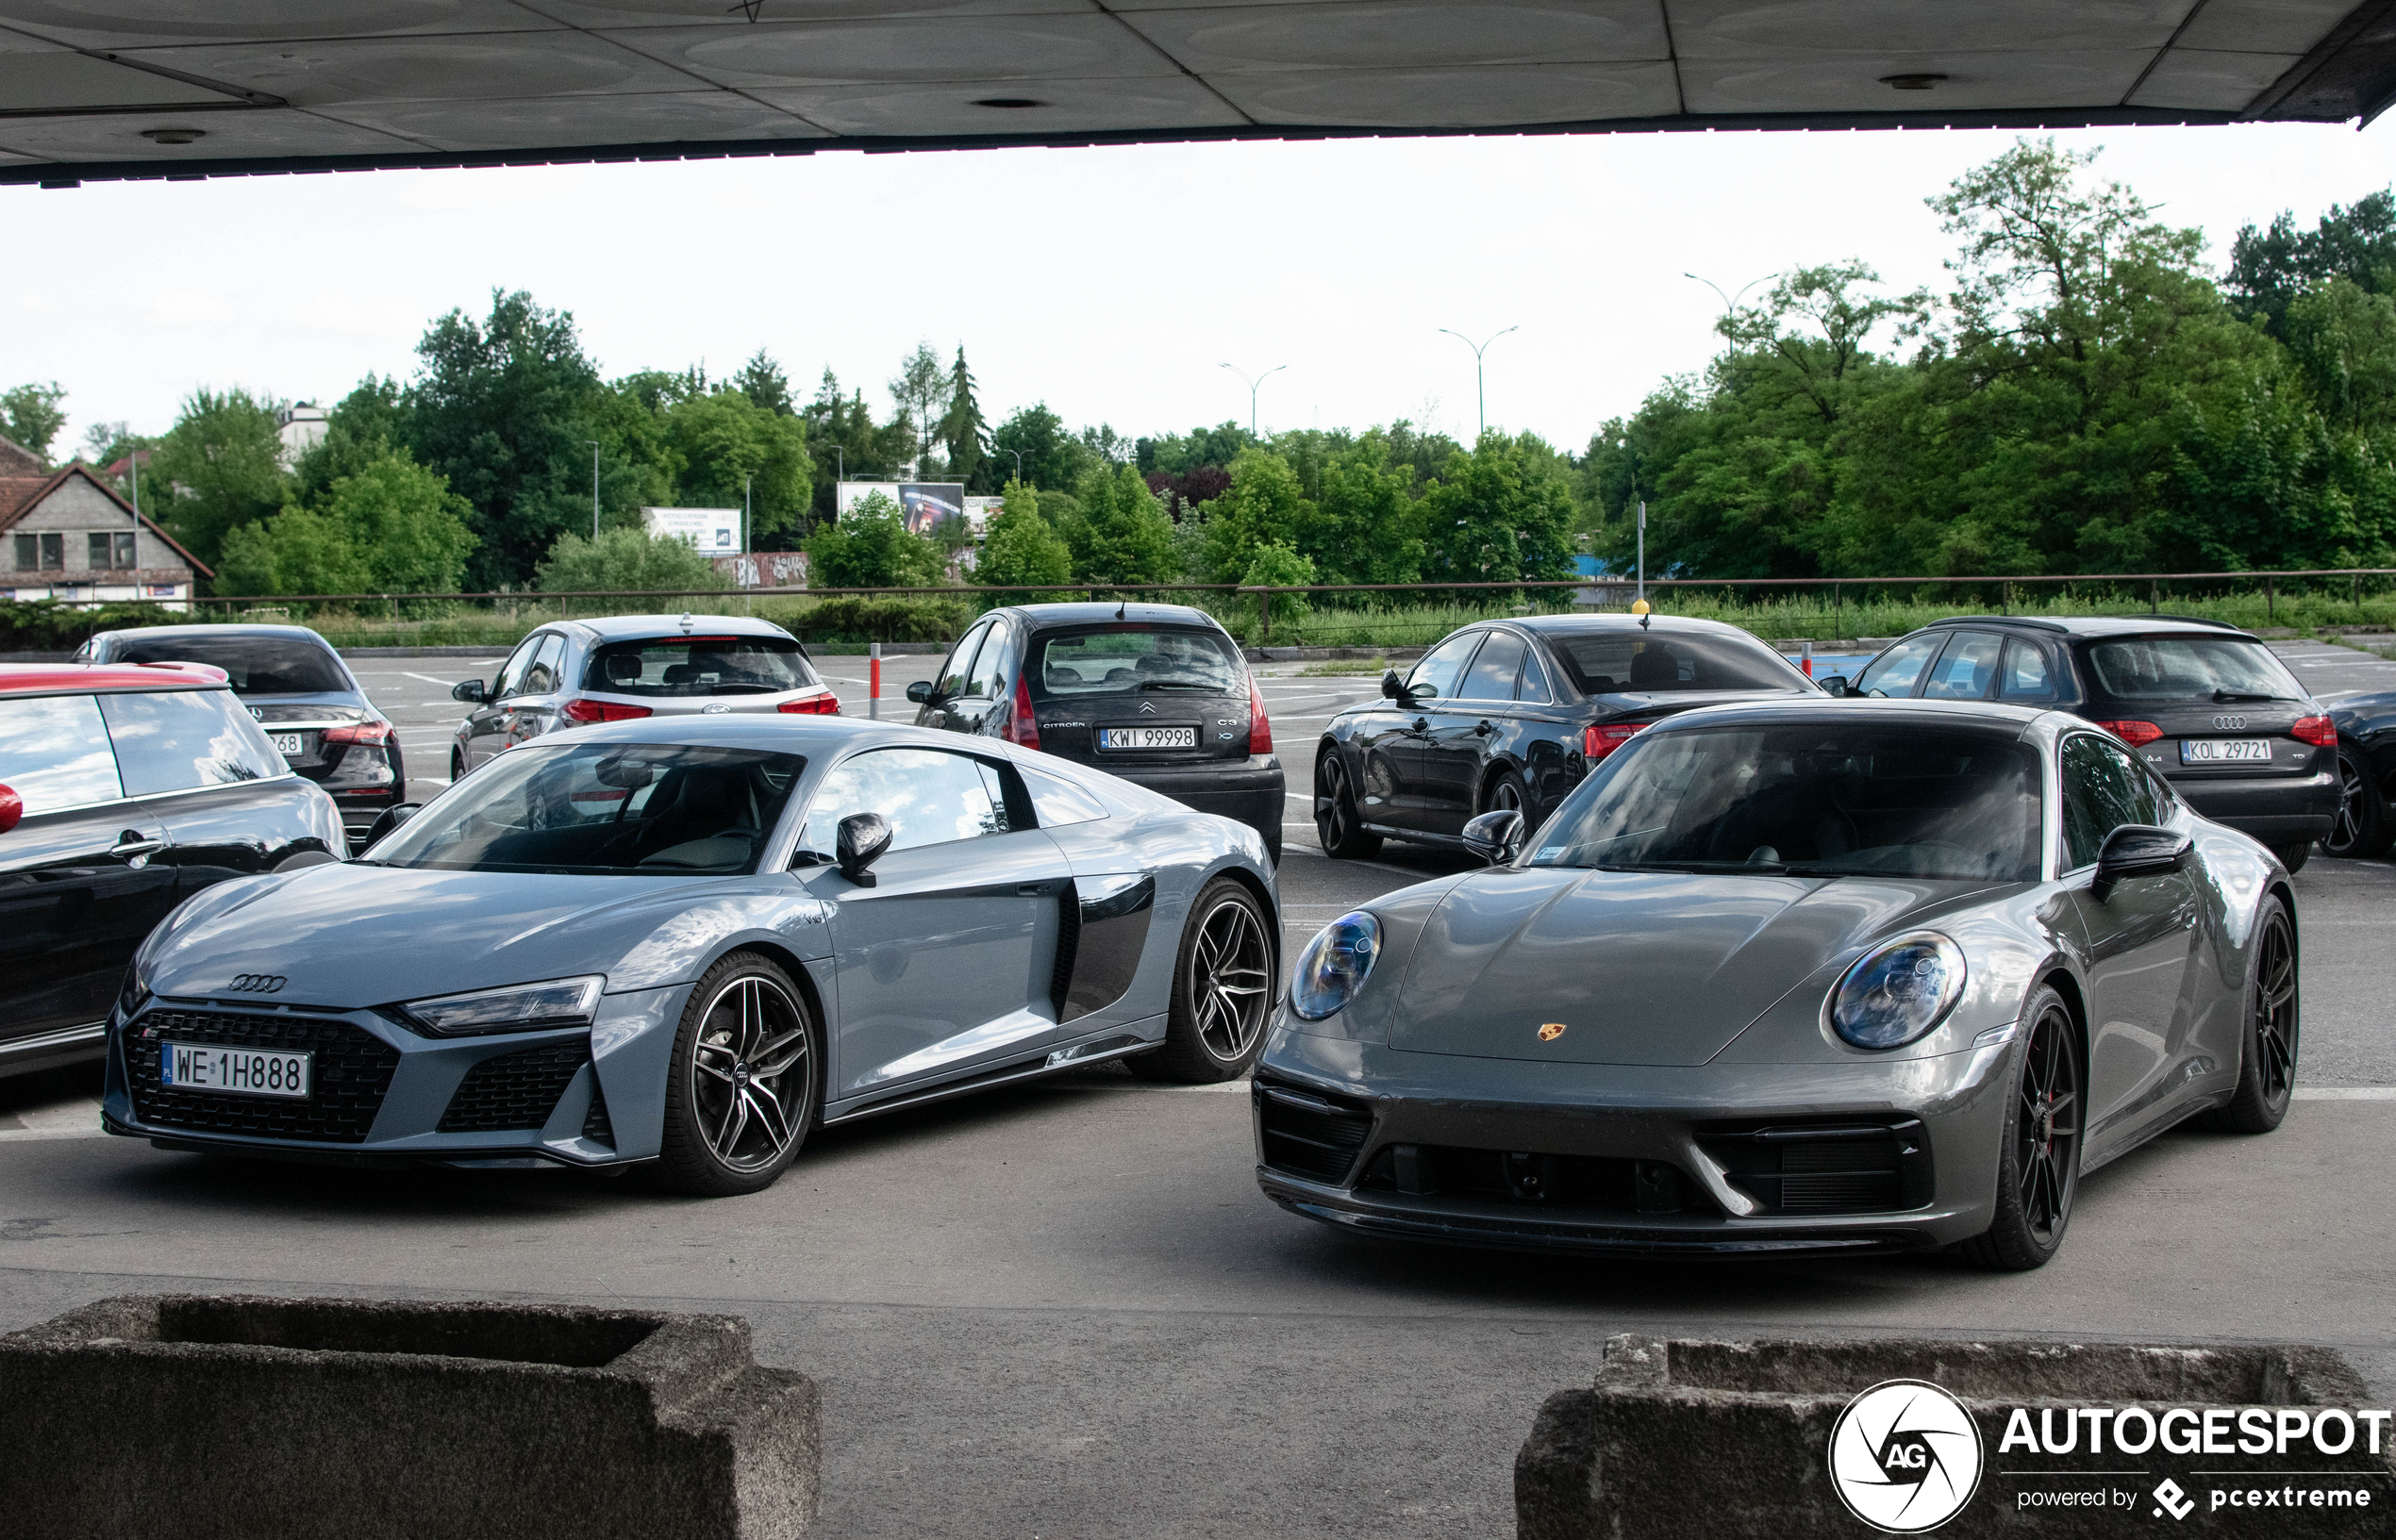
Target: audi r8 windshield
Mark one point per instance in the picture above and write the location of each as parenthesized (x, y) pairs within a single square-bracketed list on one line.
[(1818, 799)]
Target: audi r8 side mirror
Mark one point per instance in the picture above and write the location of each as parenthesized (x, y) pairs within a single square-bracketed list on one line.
[(2137, 850), (11, 809), (859, 843), (1833, 684), (470, 690), (392, 818), (1495, 837), (919, 692)]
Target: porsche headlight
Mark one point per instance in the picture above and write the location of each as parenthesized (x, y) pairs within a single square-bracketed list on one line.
[(1898, 992), (522, 1007), (1334, 964)]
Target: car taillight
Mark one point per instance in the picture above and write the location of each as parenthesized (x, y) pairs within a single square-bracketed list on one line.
[(826, 705), (2133, 733), (380, 732), (1022, 727), (581, 710), (2318, 731), (1598, 739), (1260, 725)]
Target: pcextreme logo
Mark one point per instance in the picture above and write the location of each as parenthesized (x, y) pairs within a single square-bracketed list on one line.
[(1904, 1456)]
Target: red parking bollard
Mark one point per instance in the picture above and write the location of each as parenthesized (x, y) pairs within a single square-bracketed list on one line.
[(873, 688)]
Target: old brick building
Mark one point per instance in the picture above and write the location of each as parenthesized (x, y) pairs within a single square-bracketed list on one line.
[(66, 534)]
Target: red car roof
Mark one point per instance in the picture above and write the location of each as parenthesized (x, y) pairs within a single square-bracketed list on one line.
[(75, 678)]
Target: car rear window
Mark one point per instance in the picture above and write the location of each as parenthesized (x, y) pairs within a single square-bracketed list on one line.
[(253, 665), (1127, 660), (181, 740), (1614, 661), (673, 666), (2190, 669), (53, 753)]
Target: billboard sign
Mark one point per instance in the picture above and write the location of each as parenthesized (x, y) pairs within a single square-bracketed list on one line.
[(921, 504), (709, 531)]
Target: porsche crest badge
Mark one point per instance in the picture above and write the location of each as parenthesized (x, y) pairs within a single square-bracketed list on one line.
[(1550, 1031)]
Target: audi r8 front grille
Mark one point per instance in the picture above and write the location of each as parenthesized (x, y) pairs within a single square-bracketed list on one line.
[(350, 1070), (596, 1126), (1826, 1169), (1310, 1133), (515, 1090)]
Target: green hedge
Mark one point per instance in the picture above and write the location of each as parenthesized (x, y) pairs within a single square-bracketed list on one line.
[(44, 625), (879, 619)]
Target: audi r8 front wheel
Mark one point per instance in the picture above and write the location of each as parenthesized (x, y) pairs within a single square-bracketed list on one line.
[(746, 1084)]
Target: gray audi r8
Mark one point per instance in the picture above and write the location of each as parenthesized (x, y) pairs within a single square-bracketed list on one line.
[(690, 941), (1790, 978)]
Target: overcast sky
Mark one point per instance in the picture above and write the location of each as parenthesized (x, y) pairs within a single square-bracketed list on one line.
[(1111, 283)]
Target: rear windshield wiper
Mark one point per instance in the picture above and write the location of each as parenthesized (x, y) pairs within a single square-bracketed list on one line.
[(2227, 695), (1182, 684)]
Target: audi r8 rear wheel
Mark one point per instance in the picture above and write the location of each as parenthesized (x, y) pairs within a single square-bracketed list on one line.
[(2266, 1063), (746, 1084), (1338, 822), (2038, 1165), (2362, 832), (1222, 990)]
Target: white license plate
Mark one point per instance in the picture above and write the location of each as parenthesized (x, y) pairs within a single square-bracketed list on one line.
[(242, 1071), (2224, 751), (1148, 737), (290, 745)]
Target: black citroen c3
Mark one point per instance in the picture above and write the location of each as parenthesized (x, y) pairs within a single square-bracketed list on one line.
[(2208, 706)]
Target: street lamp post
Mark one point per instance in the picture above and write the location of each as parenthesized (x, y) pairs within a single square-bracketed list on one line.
[(594, 489), (1253, 384), (1480, 392), (1019, 463), (1730, 302)]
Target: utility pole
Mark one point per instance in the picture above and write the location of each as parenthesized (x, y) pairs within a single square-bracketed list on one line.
[(1480, 393), (1253, 384), (594, 490)]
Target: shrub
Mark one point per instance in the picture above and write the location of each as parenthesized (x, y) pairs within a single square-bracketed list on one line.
[(880, 620)]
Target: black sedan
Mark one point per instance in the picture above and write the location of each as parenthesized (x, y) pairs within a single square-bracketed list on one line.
[(1509, 715), (1158, 694), (2366, 727), (124, 791), (299, 690)]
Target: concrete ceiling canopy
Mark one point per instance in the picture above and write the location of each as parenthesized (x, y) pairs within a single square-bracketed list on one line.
[(96, 90)]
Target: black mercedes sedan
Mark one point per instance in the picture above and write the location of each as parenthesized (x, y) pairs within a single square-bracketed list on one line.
[(2209, 707), (1509, 715), (296, 687), (2366, 727), (1158, 694)]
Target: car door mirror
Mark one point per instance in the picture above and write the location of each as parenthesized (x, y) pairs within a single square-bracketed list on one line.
[(1835, 684), (469, 691), (392, 818), (11, 809), (1495, 837), (1393, 687), (860, 842), (919, 692), (2137, 850)]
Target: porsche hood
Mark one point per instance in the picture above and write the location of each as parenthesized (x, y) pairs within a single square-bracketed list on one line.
[(1629, 967)]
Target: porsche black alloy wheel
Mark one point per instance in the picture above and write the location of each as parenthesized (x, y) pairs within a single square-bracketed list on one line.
[(2267, 1067), (745, 1083), (1337, 820), (2362, 832), (1222, 990), (2038, 1167)]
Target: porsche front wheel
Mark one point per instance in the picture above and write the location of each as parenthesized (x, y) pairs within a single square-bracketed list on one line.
[(2038, 1160)]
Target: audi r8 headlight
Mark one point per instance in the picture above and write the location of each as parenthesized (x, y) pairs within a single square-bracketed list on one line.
[(1334, 964), (133, 994), (522, 1007), (1898, 992)]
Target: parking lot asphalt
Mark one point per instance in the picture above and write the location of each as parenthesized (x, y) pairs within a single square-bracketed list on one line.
[(1064, 1310)]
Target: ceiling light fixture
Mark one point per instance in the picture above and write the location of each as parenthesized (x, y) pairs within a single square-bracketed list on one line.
[(173, 136), (1911, 82), (1007, 101)]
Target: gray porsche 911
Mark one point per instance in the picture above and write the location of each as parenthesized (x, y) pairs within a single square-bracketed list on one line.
[(691, 940), (1788, 978)]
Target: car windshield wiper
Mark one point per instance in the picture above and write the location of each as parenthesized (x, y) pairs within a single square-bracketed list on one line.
[(1182, 684), (2228, 695)]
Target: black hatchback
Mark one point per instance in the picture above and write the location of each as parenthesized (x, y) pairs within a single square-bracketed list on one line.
[(296, 687), (1158, 694), (2209, 707)]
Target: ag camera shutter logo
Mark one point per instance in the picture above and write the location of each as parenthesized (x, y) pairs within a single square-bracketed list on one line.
[(1904, 1456)]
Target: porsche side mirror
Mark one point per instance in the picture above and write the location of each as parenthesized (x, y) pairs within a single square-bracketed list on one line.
[(919, 692), (11, 809), (860, 842), (1495, 837), (1833, 684), (392, 818), (2137, 850), (470, 690)]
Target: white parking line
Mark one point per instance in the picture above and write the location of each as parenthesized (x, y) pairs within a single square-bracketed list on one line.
[(2344, 1093)]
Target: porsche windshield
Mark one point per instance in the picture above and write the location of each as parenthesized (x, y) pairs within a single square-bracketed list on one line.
[(646, 809), (1817, 799)]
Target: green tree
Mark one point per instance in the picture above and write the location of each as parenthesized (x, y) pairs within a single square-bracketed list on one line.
[(1274, 564), (921, 390), (1367, 527), (297, 552), (766, 385), (962, 431), (725, 443), (845, 441), (1499, 513), (219, 468), (30, 416), (1265, 507), (1052, 459), (871, 547), (2269, 268), (1018, 549), (625, 559), (361, 427), (1121, 536), (407, 527)]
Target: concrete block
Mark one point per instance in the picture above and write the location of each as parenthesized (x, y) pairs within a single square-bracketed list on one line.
[(1735, 1441), (216, 1417)]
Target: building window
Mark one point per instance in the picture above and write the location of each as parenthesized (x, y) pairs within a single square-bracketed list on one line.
[(111, 550), (41, 553)]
